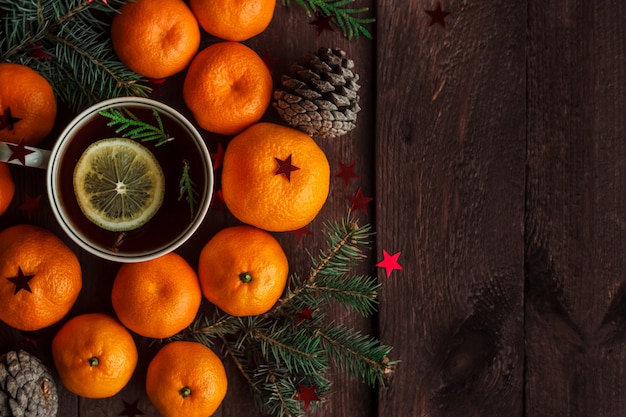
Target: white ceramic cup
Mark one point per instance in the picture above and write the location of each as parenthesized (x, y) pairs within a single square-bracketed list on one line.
[(158, 236)]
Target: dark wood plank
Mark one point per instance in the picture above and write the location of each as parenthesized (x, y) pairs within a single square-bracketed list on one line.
[(450, 197), (576, 203)]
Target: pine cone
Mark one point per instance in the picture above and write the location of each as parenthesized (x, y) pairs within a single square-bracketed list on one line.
[(26, 387), (320, 96)]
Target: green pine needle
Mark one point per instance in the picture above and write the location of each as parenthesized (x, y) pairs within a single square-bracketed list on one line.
[(279, 351), (68, 42), (359, 355), (344, 17), (131, 127), (187, 188)]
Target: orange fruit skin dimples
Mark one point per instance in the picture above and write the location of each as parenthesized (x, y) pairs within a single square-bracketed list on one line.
[(186, 379), (156, 39), (42, 277), (257, 193), (228, 87), (29, 98), (233, 20)]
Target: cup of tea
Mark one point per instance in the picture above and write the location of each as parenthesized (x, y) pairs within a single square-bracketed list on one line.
[(185, 177)]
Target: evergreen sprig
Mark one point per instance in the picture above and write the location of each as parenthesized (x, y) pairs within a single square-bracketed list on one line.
[(278, 352), (68, 42), (187, 188), (343, 16), (130, 126)]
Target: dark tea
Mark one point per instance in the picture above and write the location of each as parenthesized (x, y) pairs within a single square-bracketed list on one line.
[(175, 216)]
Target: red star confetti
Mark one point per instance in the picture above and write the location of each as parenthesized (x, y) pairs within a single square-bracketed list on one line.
[(30, 205), (19, 152), (131, 410), (307, 395), (301, 232), (7, 121), (27, 343), (21, 281), (218, 199), (305, 314), (218, 157), (390, 262), (359, 201), (346, 172), (437, 16), (285, 167), (38, 53), (155, 84), (322, 23), (269, 60)]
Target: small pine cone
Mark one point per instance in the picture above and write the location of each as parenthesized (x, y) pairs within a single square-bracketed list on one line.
[(320, 97), (26, 387)]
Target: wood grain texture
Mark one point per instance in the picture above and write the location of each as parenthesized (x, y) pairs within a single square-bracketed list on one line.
[(450, 192), (575, 230)]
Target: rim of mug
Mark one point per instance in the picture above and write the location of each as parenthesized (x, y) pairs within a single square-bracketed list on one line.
[(62, 216)]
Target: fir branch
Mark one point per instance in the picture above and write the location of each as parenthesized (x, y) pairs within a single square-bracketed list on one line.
[(357, 354), (204, 330), (344, 17), (187, 187), (68, 42), (130, 126), (297, 351)]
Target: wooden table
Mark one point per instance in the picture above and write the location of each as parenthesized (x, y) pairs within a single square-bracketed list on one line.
[(494, 149)]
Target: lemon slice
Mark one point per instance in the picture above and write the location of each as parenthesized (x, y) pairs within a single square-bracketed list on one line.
[(118, 184)]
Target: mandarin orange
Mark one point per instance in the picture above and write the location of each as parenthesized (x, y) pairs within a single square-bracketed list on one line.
[(156, 39), (28, 106), (233, 20), (275, 177), (41, 277), (157, 298), (94, 355), (228, 87), (243, 270), (186, 379)]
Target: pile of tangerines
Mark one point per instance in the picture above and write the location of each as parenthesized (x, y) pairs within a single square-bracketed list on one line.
[(274, 179)]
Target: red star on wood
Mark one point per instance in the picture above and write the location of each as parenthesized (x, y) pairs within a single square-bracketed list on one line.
[(131, 410), (346, 172), (307, 395), (218, 157), (269, 60), (322, 23), (305, 314), (7, 121), (285, 167), (301, 232), (30, 205), (19, 152), (218, 199), (21, 281), (359, 201), (390, 262), (437, 16)]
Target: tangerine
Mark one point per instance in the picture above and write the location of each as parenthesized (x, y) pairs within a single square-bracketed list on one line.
[(40, 277), (228, 87), (7, 187), (186, 379), (157, 298), (156, 39), (233, 20), (28, 108), (243, 270), (94, 355), (275, 177)]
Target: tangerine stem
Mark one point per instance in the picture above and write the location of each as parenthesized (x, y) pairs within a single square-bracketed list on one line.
[(185, 392), (245, 277), (93, 361)]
